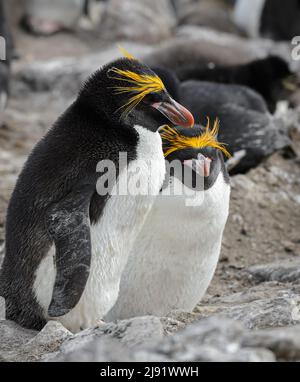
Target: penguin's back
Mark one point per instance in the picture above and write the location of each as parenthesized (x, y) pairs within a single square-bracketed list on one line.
[(203, 94)]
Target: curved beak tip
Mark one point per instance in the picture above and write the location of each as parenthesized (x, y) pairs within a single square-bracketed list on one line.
[(188, 120), (175, 112)]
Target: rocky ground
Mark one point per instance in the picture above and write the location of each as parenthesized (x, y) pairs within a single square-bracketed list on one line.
[(251, 311)]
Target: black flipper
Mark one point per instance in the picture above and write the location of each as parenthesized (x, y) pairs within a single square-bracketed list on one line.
[(68, 224)]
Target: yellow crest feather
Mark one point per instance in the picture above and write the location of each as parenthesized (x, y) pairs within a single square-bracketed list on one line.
[(140, 84), (175, 141), (126, 54)]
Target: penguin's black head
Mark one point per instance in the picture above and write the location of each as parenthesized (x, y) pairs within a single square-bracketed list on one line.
[(197, 148), (128, 92), (170, 81)]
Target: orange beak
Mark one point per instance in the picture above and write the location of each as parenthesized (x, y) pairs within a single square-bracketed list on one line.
[(176, 113)]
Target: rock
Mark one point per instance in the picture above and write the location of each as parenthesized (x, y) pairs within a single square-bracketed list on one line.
[(266, 313), (210, 340), (177, 320), (203, 46), (283, 342), (111, 341), (137, 20), (132, 333), (202, 49), (13, 336), (288, 272), (268, 290), (35, 348), (95, 350), (1, 243), (46, 341), (180, 5), (266, 306), (66, 75), (257, 48), (171, 325), (183, 316), (212, 14), (64, 12), (2, 307)]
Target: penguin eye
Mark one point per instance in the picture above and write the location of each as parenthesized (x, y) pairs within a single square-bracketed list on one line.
[(152, 98)]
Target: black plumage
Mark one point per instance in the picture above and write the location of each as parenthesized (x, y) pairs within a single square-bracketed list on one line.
[(245, 122), (266, 76)]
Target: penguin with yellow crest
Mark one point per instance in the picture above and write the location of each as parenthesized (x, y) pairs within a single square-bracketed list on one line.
[(67, 241), (175, 256)]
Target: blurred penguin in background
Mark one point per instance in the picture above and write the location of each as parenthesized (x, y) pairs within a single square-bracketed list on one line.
[(44, 17), (214, 14), (271, 77), (275, 19), (247, 125)]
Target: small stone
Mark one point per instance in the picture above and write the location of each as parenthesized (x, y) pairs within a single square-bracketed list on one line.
[(224, 258), (237, 218), (183, 316), (265, 313), (171, 325), (214, 339), (284, 272), (129, 20), (131, 333), (13, 336), (48, 340), (283, 342), (103, 349), (34, 348), (289, 246), (243, 232)]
